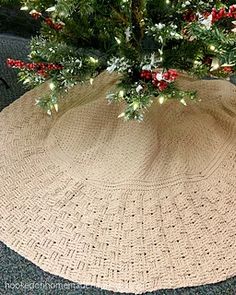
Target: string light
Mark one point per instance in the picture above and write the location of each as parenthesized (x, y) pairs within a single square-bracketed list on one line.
[(212, 47), (24, 8), (52, 86), (93, 60), (161, 99), (135, 105), (118, 40), (56, 107), (121, 93), (183, 101)]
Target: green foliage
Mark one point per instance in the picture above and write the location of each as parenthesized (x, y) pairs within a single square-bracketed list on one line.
[(128, 37)]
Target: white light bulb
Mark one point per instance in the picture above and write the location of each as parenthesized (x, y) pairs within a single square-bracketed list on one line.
[(183, 102), (56, 107), (135, 105), (27, 80), (161, 99), (93, 60), (121, 93), (212, 47), (121, 115), (50, 9), (52, 86), (118, 40), (24, 8)]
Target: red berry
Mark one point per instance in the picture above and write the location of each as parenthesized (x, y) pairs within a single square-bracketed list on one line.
[(162, 85), (228, 69)]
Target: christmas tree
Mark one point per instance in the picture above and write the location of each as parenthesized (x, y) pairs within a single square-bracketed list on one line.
[(149, 42)]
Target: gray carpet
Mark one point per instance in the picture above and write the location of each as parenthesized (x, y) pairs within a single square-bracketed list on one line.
[(19, 276), (17, 48)]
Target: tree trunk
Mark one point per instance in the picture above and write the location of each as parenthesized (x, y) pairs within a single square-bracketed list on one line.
[(137, 19)]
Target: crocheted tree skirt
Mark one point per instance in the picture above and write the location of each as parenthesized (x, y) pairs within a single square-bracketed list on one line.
[(16, 269)]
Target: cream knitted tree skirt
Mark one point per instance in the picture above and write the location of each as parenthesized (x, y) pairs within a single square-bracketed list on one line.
[(129, 207)]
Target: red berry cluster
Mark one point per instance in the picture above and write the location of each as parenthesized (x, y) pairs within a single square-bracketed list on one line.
[(159, 80), (222, 13), (35, 14), (161, 85), (40, 68), (55, 26), (146, 75), (190, 15), (170, 75), (228, 69)]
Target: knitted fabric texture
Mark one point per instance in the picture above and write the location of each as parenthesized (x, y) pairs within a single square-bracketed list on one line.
[(124, 206)]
